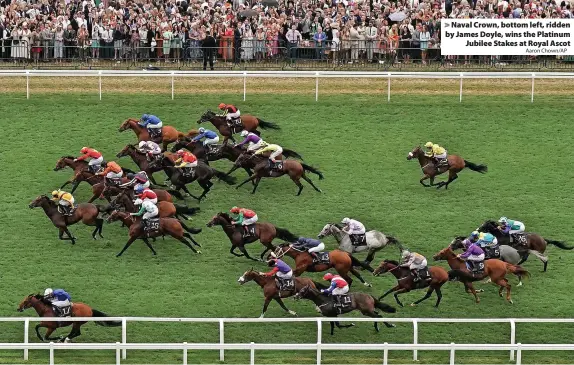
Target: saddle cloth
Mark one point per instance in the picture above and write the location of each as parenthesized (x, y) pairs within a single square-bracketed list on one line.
[(358, 239), (322, 258)]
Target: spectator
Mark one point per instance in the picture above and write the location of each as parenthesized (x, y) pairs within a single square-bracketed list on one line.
[(69, 42), (208, 46)]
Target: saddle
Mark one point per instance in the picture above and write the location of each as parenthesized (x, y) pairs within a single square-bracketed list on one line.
[(342, 303), (358, 239), (277, 166), (421, 278), (151, 225), (248, 231), (475, 267), (213, 149), (114, 181), (236, 125), (285, 284), (188, 172), (62, 311), (322, 259), (67, 211), (519, 239), (491, 252), (155, 133)]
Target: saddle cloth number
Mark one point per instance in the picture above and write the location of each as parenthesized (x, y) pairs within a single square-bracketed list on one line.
[(153, 224), (521, 238), (358, 240), (286, 284), (323, 258)]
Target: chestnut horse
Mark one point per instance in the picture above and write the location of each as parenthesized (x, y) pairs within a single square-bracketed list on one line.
[(77, 166), (85, 212), (455, 165), (168, 134), (270, 290), (495, 269), (341, 261), (44, 309), (264, 232), (405, 282), (141, 160), (166, 209), (249, 123)]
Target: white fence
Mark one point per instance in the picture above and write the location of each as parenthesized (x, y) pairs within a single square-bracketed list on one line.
[(172, 75), (121, 348)]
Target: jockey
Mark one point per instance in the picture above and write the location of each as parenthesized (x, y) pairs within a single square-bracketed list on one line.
[(229, 111), (244, 217), (145, 194), (152, 123), (253, 141), (487, 240), (59, 299), (353, 228), (311, 245), (211, 138), (95, 157), (276, 151), (112, 171), (186, 160), (510, 227), (140, 179), (472, 239), (149, 211), (151, 149), (338, 286), (280, 269), (437, 152), (65, 200), (472, 253), (415, 262)]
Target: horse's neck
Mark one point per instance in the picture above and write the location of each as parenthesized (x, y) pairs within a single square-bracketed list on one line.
[(127, 220), (40, 308), (396, 271), (228, 228), (423, 159), (261, 280), (454, 262), (49, 208), (127, 203), (135, 155), (316, 298), (74, 165), (136, 127)]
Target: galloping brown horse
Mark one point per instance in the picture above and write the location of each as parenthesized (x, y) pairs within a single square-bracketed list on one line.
[(85, 212), (77, 166), (249, 122), (44, 309), (141, 160), (167, 226), (341, 261), (495, 269), (270, 290), (455, 165), (405, 282), (168, 134), (166, 209), (295, 170), (264, 232)]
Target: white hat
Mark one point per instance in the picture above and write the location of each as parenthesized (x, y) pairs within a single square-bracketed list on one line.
[(48, 292), (244, 133)]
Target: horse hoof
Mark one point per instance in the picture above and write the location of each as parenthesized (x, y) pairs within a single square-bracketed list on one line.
[(520, 284), (293, 313), (367, 285), (510, 301), (413, 305), (199, 252)]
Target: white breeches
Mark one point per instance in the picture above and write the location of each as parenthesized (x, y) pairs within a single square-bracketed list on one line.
[(61, 303), (318, 248), (114, 175), (276, 153), (441, 156), (255, 146), (418, 266), (341, 291), (475, 257), (155, 126), (230, 116), (208, 141), (149, 215), (248, 221), (190, 164), (144, 185), (519, 230), (96, 161), (65, 202), (288, 275)]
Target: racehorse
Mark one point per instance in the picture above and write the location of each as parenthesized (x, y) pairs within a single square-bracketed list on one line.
[(405, 282), (495, 269), (141, 160), (375, 241), (232, 153), (507, 253), (44, 309), (264, 232), (295, 170), (202, 173), (77, 166), (272, 292), (166, 209), (341, 261), (167, 226), (168, 134), (249, 123), (455, 165), (365, 303), (85, 212), (535, 243)]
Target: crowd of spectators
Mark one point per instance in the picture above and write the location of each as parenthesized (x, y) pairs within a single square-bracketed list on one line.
[(235, 30)]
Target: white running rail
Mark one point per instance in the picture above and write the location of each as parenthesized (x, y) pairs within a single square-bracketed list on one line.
[(121, 347), (172, 75)]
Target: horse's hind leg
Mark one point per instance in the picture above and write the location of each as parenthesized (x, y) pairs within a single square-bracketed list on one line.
[(149, 245), (439, 297), (451, 177), (128, 244), (299, 185), (245, 253), (255, 184), (37, 328), (470, 288), (206, 185), (190, 237), (504, 285), (427, 295), (278, 300), (311, 183), (75, 332), (356, 273), (184, 241), (370, 256)]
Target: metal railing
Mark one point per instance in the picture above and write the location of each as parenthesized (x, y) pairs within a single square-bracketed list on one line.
[(121, 348)]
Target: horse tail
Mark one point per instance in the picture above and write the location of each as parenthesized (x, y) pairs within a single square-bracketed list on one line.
[(474, 167), (517, 270), (319, 286), (313, 170), (176, 193), (395, 241), (97, 313), (559, 244), (189, 230), (285, 235), (183, 209), (267, 125), (290, 153), (383, 306), (356, 262), (462, 275), (229, 180)]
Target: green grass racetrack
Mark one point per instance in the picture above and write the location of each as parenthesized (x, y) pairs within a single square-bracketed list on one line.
[(361, 144)]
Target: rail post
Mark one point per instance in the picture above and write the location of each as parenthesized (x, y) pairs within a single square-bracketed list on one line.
[(244, 85), (415, 339), (51, 353), (532, 92), (27, 84), (519, 354), (172, 85), (316, 86), (385, 353), (252, 356), (512, 337), (118, 354), (319, 340), (452, 353), (221, 340), (185, 353), (124, 337), (26, 331), (460, 94), (100, 83), (389, 87)]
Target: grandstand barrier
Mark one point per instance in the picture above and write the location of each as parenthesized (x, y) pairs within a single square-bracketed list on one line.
[(121, 348), (171, 75)]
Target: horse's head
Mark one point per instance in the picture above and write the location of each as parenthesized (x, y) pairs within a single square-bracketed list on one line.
[(385, 266), (248, 276), (126, 151), (206, 117), (456, 243), (116, 215), (28, 302), (179, 144), (416, 152), (125, 125), (62, 163), (220, 219), (303, 292), (488, 227), (328, 230), (39, 201), (443, 254)]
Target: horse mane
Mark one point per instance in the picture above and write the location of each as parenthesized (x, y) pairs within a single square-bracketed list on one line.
[(338, 225), (396, 263), (71, 157), (460, 237), (224, 215)]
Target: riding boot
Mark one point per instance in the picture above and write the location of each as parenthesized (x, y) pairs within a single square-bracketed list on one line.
[(415, 275), (314, 256)]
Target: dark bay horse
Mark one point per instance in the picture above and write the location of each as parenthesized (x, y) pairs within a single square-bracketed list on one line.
[(495, 269), (535, 243), (169, 134), (270, 290), (264, 232), (341, 261), (141, 160), (455, 165), (87, 213), (166, 209), (167, 227), (405, 282), (365, 303), (295, 170), (249, 122), (44, 309)]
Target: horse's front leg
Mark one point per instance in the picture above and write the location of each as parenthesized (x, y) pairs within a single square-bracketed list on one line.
[(232, 251), (425, 178), (395, 288)]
